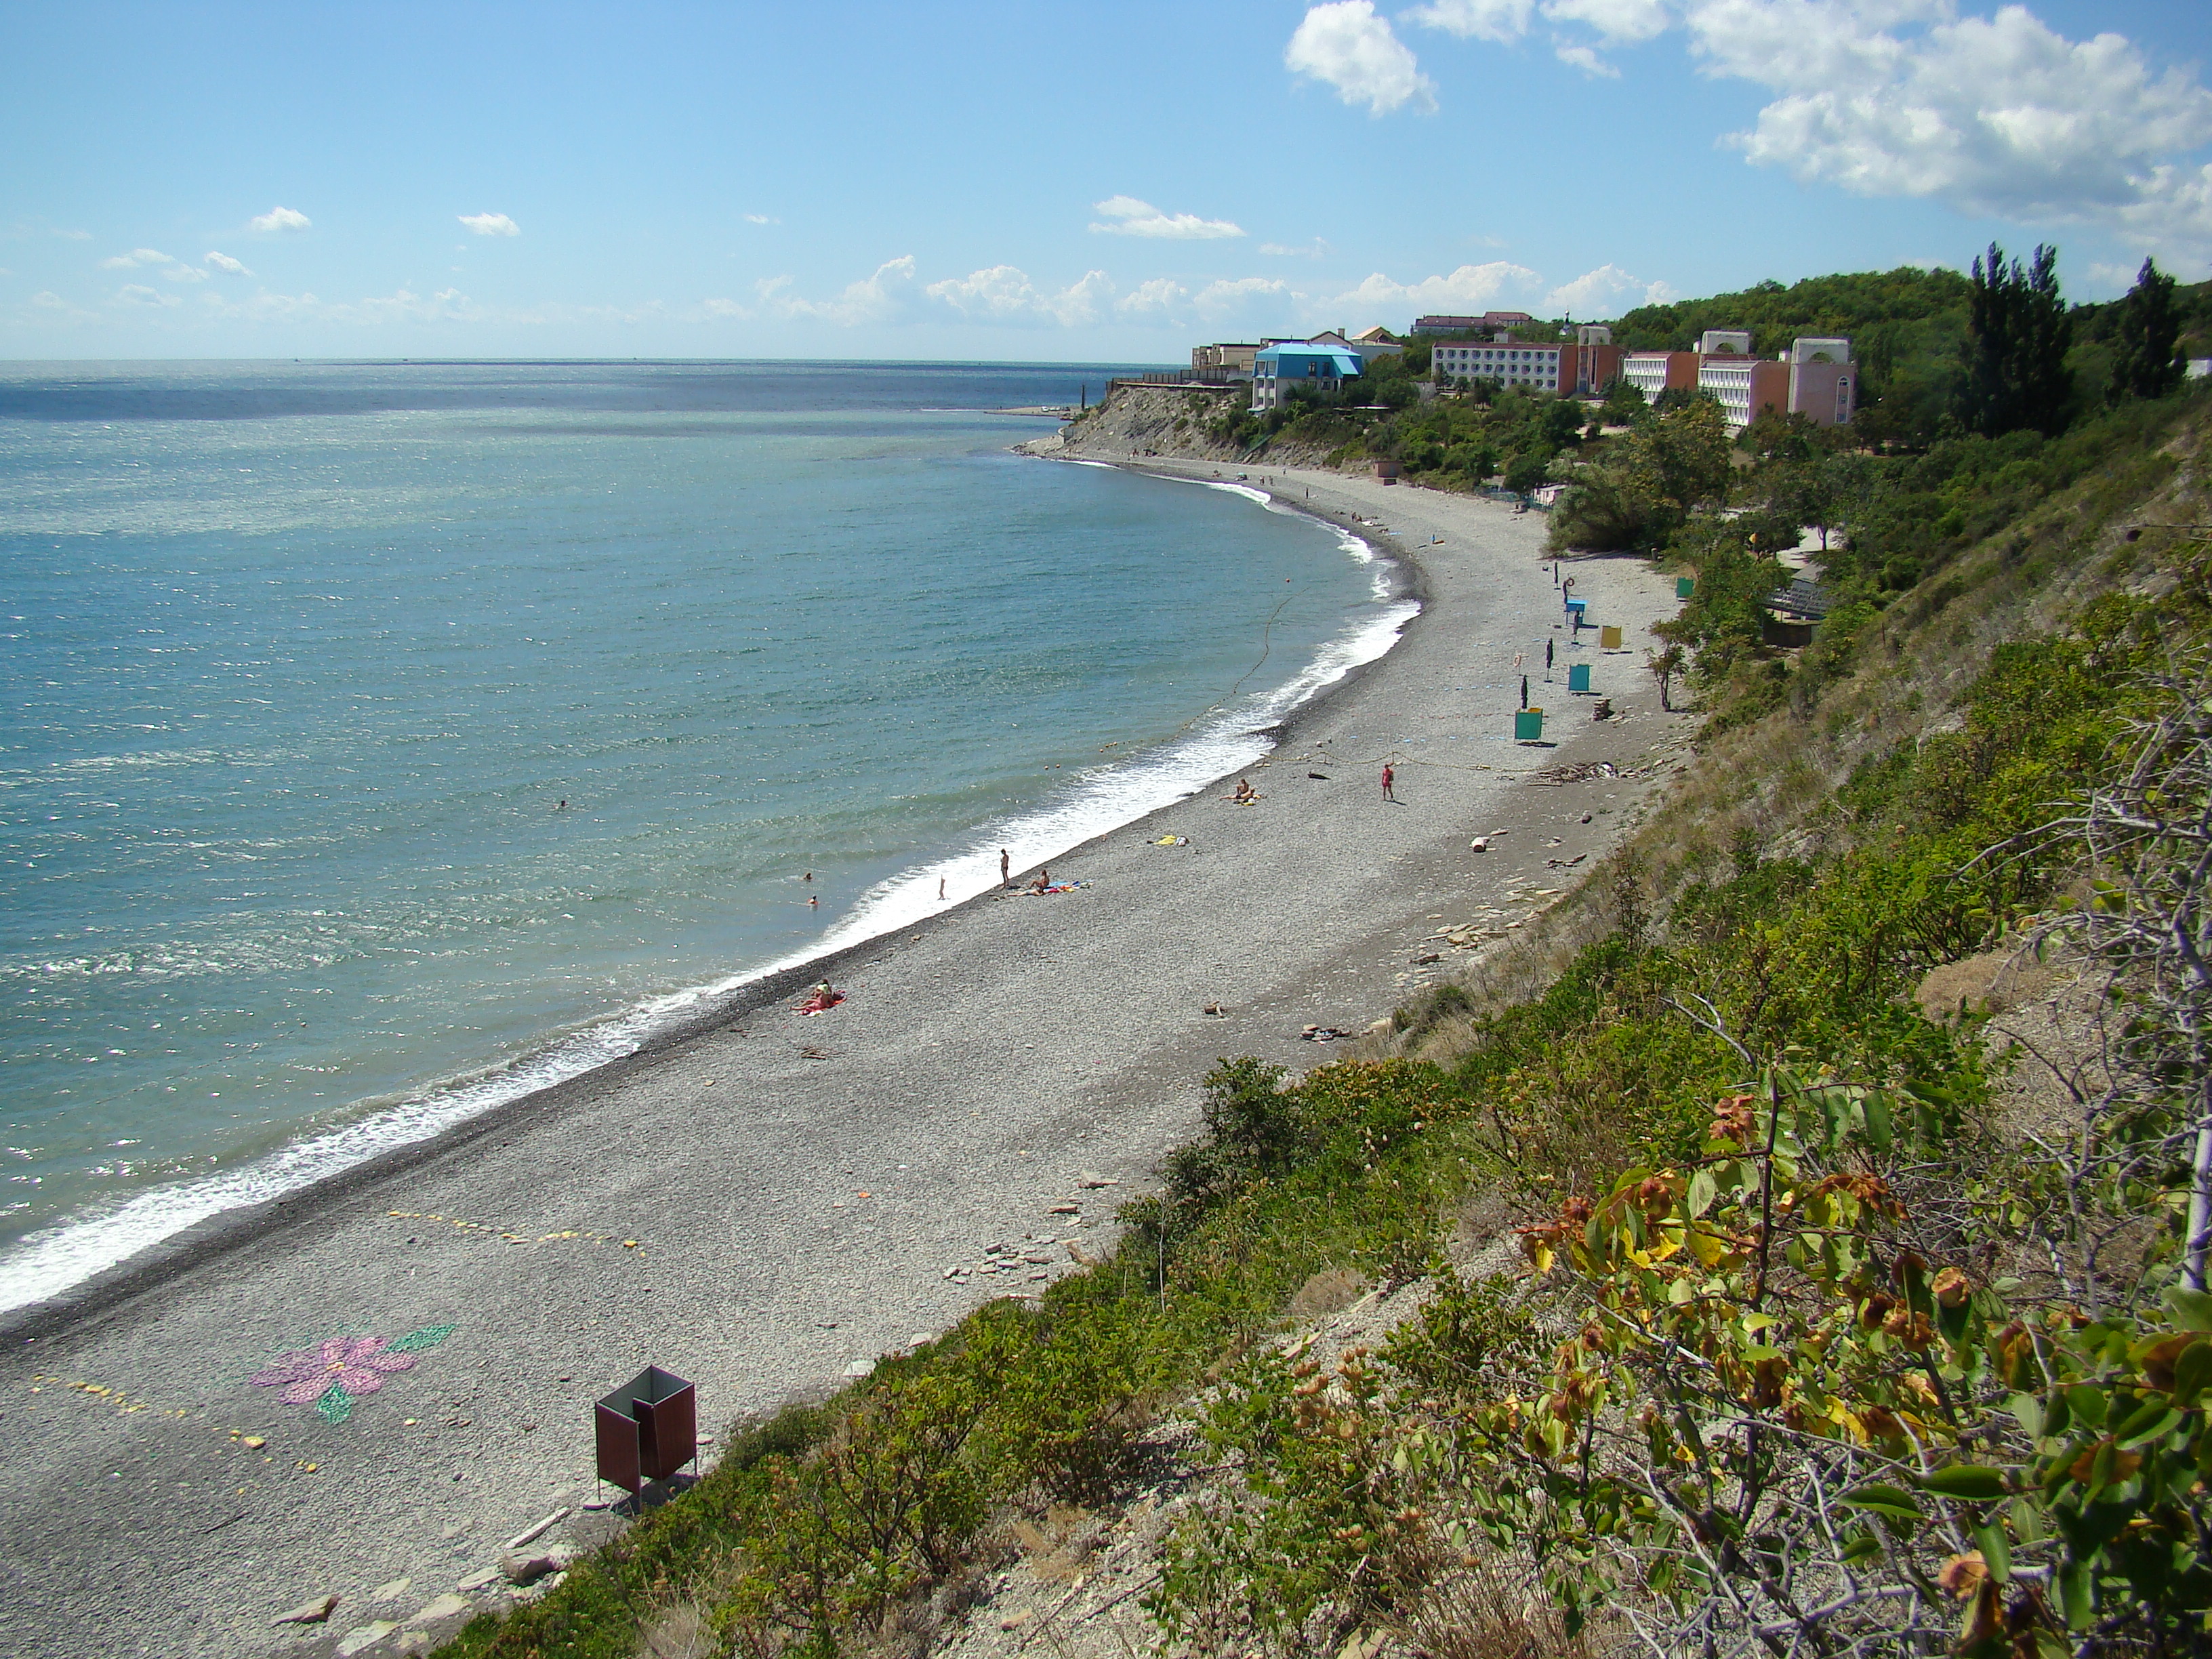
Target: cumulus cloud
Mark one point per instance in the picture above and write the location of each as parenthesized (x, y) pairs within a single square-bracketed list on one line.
[(1004, 294), (134, 294), (1317, 249), (224, 262), (761, 219), (1613, 22), (137, 257), (1344, 44), (1125, 216), (489, 224), (280, 218), (1470, 288), (1234, 295), (876, 299), (1476, 20), (1606, 292), (1997, 115), (1156, 298)]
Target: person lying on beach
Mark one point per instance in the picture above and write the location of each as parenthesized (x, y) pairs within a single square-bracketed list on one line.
[(822, 1000), (1042, 882), (1245, 795)]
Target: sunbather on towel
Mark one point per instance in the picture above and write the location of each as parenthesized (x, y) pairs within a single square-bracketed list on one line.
[(822, 1000)]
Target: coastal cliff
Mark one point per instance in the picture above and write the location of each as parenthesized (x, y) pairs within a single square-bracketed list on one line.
[(1135, 422)]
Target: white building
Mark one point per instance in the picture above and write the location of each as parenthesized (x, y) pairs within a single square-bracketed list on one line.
[(1515, 362)]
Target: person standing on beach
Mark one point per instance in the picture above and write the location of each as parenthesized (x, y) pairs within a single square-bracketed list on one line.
[(1524, 691), (1548, 644), (1005, 869), (1388, 776)]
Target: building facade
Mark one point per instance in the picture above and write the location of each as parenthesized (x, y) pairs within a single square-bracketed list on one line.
[(1816, 378), (1230, 357), (1279, 365), (1489, 322)]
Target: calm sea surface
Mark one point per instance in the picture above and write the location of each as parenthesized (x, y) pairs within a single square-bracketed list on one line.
[(301, 661)]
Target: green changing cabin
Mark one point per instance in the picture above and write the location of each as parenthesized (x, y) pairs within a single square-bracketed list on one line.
[(1528, 725), (1578, 676), (1685, 586)]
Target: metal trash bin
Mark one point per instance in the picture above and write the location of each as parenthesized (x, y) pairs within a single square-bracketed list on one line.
[(647, 1430)]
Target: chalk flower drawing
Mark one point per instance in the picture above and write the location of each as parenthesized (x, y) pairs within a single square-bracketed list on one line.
[(334, 1374)]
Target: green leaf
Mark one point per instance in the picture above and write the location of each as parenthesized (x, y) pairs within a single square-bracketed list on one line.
[(430, 1336), (2028, 1411), (2154, 1420), (1997, 1550), (2191, 1371), (1880, 1129), (2074, 1594), (334, 1404), (2086, 1404), (1885, 1500), (2193, 1307), (1974, 1483), (1702, 1190)]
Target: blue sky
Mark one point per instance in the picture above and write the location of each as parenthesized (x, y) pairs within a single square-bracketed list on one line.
[(1051, 181)]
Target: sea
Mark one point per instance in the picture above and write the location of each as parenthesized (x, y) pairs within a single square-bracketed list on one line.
[(380, 742)]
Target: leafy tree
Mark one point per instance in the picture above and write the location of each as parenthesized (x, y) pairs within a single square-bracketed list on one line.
[(1682, 459), (2147, 363), (2017, 335), (1524, 471), (1624, 403)]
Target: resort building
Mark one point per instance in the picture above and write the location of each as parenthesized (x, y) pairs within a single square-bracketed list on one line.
[(1816, 378), (1369, 343), (1281, 365), (1489, 323), (1229, 359), (1510, 361)]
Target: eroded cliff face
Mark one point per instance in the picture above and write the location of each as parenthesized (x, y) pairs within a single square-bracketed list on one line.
[(1135, 421)]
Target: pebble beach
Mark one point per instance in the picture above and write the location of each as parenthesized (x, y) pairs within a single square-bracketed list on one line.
[(766, 1201)]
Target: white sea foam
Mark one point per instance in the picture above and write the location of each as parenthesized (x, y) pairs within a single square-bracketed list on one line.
[(45, 1263)]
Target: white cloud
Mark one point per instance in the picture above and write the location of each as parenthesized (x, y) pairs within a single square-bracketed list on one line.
[(137, 257), (1004, 294), (1156, 297), (761, 219), (1128, 216), (877, 299), (1231, 295), (1476, 20), (1995, 116), (1470, 288), (1622, 23), (1586, 60), (489, 224), (225, 263), (181, 273), (1318, 248), (1344, 44), (280, 218), (1606, 292), (73, 235), (132, 293)]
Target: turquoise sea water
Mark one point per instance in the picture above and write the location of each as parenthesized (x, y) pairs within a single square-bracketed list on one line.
[(301, 660)]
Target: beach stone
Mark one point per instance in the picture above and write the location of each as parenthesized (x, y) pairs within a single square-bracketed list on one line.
[(860, 1368), (478, 1580), (1065, 1209), (528, 1568), (444, 1607), (364, 1635), (309, 1612), (391, 1592), (414, 1641), (1092, 1178)]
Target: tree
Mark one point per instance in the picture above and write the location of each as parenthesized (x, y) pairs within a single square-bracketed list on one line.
[(2017, 333), (1624, 402), (1682, 458), (2148, 363), (1664, 666)]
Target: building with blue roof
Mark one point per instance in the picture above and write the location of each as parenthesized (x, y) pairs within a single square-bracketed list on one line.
[(1282, 364)]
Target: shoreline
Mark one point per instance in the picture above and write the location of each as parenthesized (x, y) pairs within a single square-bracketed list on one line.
[(733, 996), (763, 1202)]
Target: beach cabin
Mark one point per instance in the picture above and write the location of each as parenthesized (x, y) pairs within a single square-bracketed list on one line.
[(1281, 365)]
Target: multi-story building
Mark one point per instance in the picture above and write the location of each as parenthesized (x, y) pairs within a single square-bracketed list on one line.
[(1229, 358), (1282, 364), (1816, 378), (1489, 322), (1369, 343), (1547, 368)]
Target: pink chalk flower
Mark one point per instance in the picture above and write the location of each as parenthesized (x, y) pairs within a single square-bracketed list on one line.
[(357, 1364)]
